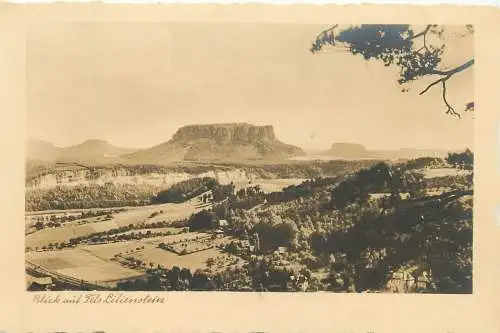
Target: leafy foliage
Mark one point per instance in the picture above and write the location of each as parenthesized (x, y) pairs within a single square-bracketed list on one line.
[(404, 46), (89, 196), (464, 160)]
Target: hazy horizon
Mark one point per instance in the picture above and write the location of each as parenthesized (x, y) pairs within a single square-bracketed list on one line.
[(310, 150), (135, 84)]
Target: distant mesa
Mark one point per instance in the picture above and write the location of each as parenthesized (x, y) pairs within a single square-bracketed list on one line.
[(358, 151), (218, 142), (350, 150), (210, 142)]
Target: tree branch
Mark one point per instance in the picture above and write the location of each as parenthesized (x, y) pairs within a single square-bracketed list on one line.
[(324, 32), (446, 76), (443, 79), (450, 110), (423, 33), (454, 70)]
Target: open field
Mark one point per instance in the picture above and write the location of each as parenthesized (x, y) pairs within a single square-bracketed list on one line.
[(97, 263), (443, 172), (108, 251), (80, 264), (192, 261), (135, 215)]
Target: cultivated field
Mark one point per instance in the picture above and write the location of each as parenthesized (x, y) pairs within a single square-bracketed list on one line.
[(81, 264), (192, 261), (134, 215)]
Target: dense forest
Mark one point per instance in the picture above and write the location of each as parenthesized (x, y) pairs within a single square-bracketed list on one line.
[(90, 196), (361, 238), (185, 190)]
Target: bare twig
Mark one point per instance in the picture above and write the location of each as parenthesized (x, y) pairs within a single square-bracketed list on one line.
[(422, 33), (324, 32), (443, 79), (446, 75), (450, 110)]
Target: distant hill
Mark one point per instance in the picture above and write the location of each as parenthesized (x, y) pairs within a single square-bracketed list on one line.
[(37, 150), (217, 142), (357, 151), (91, 151)]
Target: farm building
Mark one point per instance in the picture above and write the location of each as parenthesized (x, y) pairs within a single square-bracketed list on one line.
[(40, 284)]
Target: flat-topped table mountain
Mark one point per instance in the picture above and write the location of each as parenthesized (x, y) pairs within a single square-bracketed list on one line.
[(211, 142)]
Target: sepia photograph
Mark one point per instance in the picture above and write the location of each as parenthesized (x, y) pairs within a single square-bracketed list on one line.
[(249, 157)]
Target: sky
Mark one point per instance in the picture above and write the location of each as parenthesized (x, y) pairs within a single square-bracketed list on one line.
[(135, 84)]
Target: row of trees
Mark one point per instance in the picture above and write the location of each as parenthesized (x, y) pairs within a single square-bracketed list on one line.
[(463, 160), (185, 190), (257, 275), (176, 279), (305, 189), (89, 196)]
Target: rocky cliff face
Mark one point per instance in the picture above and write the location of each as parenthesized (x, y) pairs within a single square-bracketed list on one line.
[(237, 133)]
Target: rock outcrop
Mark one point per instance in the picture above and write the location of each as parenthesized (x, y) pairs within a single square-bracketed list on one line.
[(348, 150), (217, 142), (236, 133)]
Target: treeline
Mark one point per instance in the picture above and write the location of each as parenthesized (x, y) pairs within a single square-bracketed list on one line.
[(463, 160), (128, 232), (89, 196), (381, 178), (185, 190), (56, 221), (423, 162), (304, 189), (227, 200), (306, 169), (175, 279), (257, 275)]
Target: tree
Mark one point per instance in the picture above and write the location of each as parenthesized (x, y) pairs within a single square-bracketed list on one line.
[(210, 262), (464, 160), (417, 52)]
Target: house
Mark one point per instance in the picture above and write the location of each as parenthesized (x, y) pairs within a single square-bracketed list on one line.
[(282, 249), (41, 284), (223, 224)]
